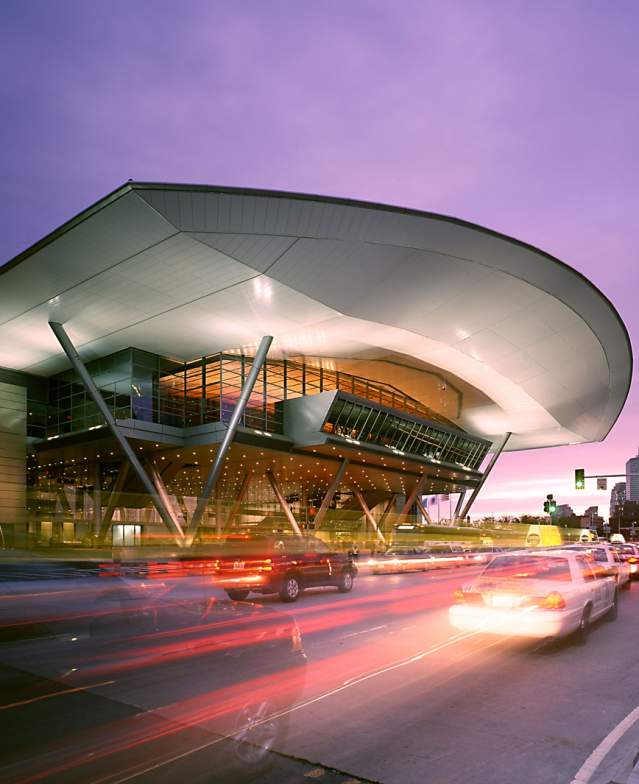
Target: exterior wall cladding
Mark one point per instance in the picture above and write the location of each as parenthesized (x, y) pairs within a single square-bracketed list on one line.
[(13, 440)]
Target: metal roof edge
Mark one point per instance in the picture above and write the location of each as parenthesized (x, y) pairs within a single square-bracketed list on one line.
[(93, 209), (245, 191)]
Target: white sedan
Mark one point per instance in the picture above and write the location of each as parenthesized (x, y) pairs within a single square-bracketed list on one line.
[(540, 595)]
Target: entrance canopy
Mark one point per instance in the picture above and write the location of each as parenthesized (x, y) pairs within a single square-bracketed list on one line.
[(491, 333)]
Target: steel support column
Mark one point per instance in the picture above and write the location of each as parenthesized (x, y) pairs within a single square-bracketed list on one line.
[(238, 501), (458, 507), (236, 416), (387, 510), (160, 487), (415, 492), (97, 500), (368, 514), (485, 476), (423, 510), (78, 364), (282, 501), (332, 489), (114, 497)]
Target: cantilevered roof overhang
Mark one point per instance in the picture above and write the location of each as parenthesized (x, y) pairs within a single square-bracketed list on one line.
[(187, 270)]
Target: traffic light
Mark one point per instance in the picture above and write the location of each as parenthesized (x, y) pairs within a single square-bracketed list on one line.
[(547, 507), (552, 507), (580, 479)]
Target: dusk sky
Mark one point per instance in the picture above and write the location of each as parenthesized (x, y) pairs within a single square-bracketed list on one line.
[(520, 116)]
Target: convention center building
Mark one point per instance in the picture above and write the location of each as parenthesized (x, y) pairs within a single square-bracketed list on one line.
[(179, 361)]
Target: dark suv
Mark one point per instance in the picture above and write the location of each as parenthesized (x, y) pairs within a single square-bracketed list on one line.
[(282, 564)]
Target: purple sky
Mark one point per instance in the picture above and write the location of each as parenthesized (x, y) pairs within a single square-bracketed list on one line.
[(520, 116)]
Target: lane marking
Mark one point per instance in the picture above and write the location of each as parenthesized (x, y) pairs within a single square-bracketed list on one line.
[(365, 631), (346, 685), (589, 768), (54, 694)]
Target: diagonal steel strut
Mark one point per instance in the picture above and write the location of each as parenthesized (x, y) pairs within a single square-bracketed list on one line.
[(91, 388), (236, 416)]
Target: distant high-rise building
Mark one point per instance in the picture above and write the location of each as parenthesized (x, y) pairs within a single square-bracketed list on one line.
[(591, 518), (564, 510), (617, 497), (632, 479)]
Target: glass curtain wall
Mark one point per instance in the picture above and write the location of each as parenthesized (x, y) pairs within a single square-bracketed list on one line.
[(143, 386), (354, 420)]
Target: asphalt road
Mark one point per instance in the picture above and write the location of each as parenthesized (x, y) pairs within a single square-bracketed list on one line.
[(431, 705), (394, 694)]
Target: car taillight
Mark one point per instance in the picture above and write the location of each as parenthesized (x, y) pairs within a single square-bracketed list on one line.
[(632, 559), (554, 601), (459, 596), (266, 565)]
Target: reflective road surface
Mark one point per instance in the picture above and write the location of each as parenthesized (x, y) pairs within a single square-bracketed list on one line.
[(391, 694)]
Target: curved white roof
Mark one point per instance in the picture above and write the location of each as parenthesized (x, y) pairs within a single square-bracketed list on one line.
[(189, 270)]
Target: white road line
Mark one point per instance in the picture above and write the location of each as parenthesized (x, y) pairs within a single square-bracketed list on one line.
[(589, 768), (364, 631), (361, 678), (347, 684)]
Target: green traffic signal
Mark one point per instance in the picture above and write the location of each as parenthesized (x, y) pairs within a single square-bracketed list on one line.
[(580, 479), (552, 507)]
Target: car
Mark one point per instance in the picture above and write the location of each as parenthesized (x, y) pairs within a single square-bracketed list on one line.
[(140, 668), (401, 559), (483, 554), (606, 557), (447, 555), (536, 594), (629, 554), (282, 564)]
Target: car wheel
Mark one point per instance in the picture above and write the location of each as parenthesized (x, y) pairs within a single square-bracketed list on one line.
[(256, 735), (345, 583), (237, 595), (291, 588), (581, 635), (612, 613)]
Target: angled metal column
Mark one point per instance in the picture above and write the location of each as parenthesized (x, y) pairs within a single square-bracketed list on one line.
[(236, 416), (423, 509), (97, 501), (367, 513), (387, 510), (415, 492), (332, 489), (460, 503), (238, 501), (489, 468), (114, 497), (282, 501), (78, 364), (160, 487)]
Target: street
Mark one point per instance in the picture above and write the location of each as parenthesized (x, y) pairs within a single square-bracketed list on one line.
[(394, 694), (463, 708)]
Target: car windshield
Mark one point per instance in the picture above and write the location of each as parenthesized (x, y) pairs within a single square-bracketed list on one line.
[(527, 567)]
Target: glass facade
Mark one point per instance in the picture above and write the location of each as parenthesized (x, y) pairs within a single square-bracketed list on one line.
[(355, 420), (139, 385)]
